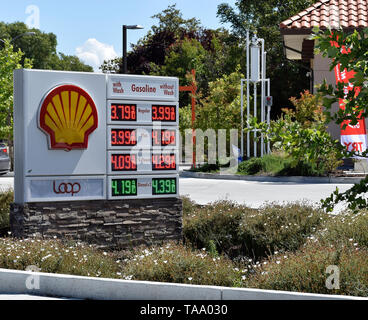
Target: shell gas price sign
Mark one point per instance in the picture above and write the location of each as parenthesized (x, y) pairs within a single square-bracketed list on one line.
[(86, 136)]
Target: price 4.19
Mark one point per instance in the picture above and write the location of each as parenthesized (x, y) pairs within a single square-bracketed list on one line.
[(123, 187)]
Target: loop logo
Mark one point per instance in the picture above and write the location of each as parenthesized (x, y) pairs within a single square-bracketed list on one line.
[(66, 188)]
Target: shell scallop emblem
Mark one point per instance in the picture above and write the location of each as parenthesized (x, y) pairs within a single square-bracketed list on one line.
[(68, 116)]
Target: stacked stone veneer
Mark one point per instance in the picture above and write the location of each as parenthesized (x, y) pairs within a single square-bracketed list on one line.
[(116, 223)]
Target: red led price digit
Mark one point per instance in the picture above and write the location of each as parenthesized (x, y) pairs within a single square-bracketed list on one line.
[(127, 113), (167, 113), (173, 114), (133, 113), (161, 111), (123, 162), (155, 140), (113, 137), (133, 161), (114, 115), (167, 161), (123, 137), (154, 113)]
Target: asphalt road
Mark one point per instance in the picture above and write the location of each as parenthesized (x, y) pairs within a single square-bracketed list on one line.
[(251, 193), (254, 194)]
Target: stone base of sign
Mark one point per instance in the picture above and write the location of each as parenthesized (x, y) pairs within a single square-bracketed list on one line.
[(109, 224), (361, 166)]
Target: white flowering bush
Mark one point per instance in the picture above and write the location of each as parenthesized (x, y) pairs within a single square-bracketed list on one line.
[(56, 256), (173, 262)]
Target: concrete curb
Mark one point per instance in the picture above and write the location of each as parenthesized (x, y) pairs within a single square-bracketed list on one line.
[(294, 179), (78, 287)]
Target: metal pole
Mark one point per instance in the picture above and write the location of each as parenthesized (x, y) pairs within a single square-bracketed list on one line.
[(124, 49), (241, 120), (248, 107), (255, 115), (262, 93), (268, 114)]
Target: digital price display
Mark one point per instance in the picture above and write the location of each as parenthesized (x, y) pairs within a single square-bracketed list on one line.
[(126, 137), (124, 187), (123, 162), (127, 112), (162, 186), (163, 162), (143, 186), (123, 137), (163, 137), (164, 113), (123, 112), (142, 162)]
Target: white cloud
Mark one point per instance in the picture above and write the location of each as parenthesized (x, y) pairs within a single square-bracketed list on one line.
[(94, 53)]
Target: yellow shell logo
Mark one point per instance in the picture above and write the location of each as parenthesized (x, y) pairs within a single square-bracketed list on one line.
[(68, 116)]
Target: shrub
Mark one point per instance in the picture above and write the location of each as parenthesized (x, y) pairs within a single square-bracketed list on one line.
[(56, 256), (251, 166), (207, 167), (346, 228), (188, 205), (6, 198), (280, 165), (179, 264), (239, 230), (278, 227), (305, 270), (216, 223)]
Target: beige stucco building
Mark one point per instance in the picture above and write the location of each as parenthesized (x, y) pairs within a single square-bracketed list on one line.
[(348, 14)]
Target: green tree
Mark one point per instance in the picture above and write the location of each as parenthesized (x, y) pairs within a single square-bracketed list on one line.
[(171, 19), (9, 61), (40, 48), (157, 52), (68, 63), (263, 17), (182, 57), (354, 58), (221, 108)]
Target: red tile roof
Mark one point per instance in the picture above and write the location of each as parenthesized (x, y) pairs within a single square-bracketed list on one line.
[(349, 14)]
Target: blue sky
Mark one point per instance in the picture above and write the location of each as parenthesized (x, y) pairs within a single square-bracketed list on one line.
[(91, 29)]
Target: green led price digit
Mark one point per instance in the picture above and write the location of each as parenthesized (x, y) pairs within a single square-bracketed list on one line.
[(123, 187), (163, 186)]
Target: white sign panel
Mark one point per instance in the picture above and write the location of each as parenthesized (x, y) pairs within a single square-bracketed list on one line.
[(142, 88), (65, 188)]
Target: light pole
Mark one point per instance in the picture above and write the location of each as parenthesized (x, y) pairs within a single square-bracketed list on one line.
[(125, 27), (20, 35)]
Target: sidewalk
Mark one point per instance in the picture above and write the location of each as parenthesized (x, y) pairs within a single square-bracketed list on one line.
[(296, 179)]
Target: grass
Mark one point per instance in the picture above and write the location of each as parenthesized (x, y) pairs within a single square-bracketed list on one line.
[(278, 247)]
